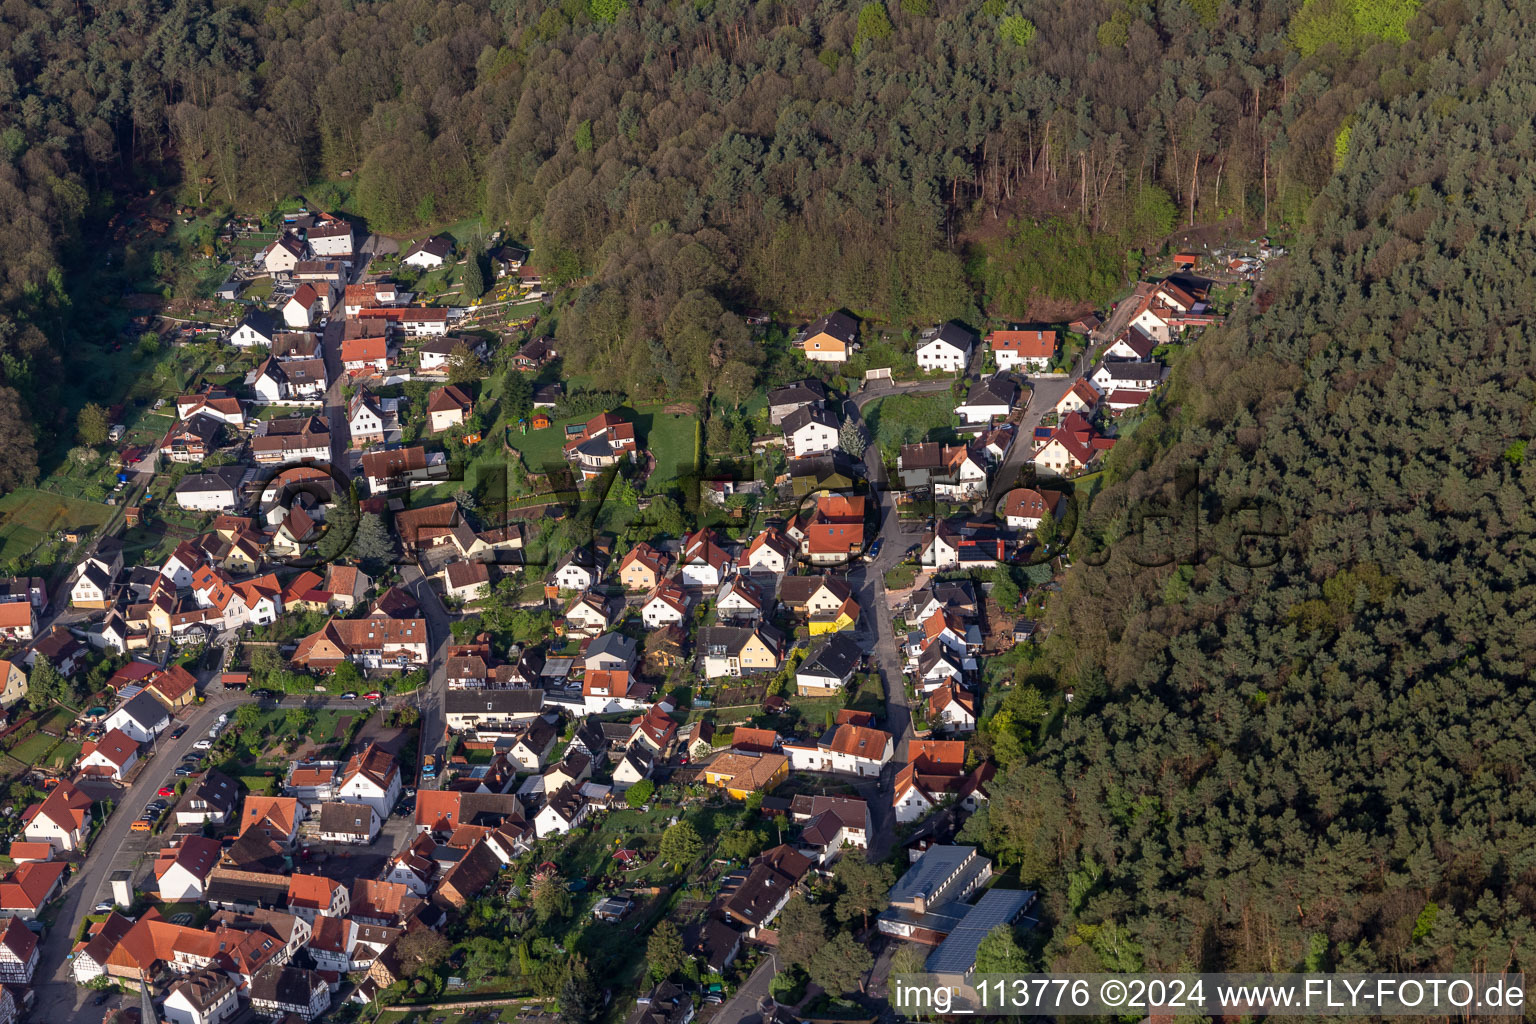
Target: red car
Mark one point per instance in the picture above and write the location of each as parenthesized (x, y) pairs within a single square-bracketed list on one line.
[(165, 791), (375, 695)]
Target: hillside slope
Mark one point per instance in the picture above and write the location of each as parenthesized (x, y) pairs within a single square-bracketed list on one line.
[(1328, 760)]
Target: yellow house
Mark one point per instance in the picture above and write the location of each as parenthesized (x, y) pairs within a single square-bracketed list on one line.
[(758, 653), (642, 568), (14, 682), (830, 339), (845, 617), (741, 774)]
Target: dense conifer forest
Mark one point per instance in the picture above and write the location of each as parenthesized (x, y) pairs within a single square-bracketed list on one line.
[(1324, 762)]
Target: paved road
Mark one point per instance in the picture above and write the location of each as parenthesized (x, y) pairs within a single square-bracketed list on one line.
[(743, 1006), (430, 698), (58, 1000)]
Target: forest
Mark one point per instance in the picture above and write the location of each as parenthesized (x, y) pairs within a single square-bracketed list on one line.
[(677, 162), (1321, 764)]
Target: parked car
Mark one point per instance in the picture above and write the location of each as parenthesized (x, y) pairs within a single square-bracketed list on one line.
[(182, 772), (874, 549), (178, 732), (375, 695), (203, 745), (349, 695), (165, 791), (102, 908)]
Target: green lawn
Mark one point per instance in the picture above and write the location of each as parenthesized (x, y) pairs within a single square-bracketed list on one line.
[(905, 419), (29, 516), (34, 748), (668, 436), (64, 754)]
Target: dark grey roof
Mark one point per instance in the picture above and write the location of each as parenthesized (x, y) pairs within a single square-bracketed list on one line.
[(437, 246), (218, 479), (800, 392), (346, 818), (261, 322), (809, 414), (951, 333), (493, 702), (285, 986), (838, 657), (1125, 369), (928, 875), (840, 325), (145, 710), (217, 790), (999, 389), (614, 644), (957, 953)]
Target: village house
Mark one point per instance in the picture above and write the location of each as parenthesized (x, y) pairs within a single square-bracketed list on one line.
[(284, 254), (256, 328), (466, 581), (828, 670), (369, 643), (831, 339), (952, 708), (703, 561), (1080, 398), (1026, 349), (810, 430), (292, 439), (62, 820), (801, 394), (741, 773), (201, 997), (535, 354), (217, 490), (182, 869), (1127, 375), (110, 757), (429, 253), (603, 441), (667, 603), (946, 348), (1025, 508), (193, 440), (92, 588), (580, 569), (490, 712), (372, 777), (770, 552), (365, 351), (739, 650), (448, 407), (18, 953), (304, 307), (1133, 344), (834, 532), (814, 596), (1072, 447), (365, 419), (743, 601), (330, 236), (277, 991), (591, 614), (642, 567), (563, 810), (849, 747), (991, 398), (773, 877), (612, 651)]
